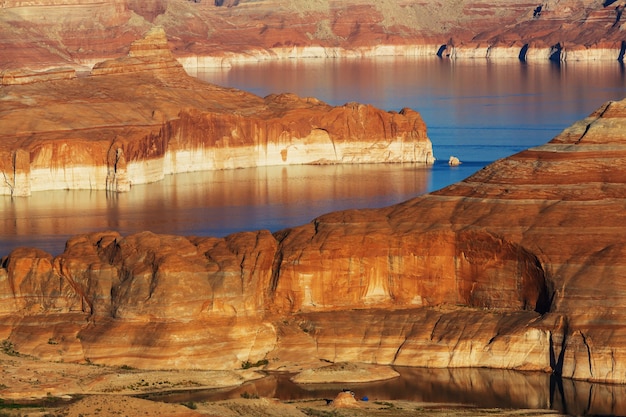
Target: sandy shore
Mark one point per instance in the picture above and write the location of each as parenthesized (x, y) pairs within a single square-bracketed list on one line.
[(112, 405), (31, 387)]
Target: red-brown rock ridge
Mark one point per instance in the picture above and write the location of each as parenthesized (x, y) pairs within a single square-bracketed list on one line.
[(138, 118), (79, 33), (521, 266)]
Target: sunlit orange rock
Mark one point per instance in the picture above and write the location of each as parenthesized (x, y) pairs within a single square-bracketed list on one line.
[(135, 119), (518, 267), (79, 33)]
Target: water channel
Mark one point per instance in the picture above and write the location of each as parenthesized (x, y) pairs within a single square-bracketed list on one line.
[(477, 110), (465, 387)]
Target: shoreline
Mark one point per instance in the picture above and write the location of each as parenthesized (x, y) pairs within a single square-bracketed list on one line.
[(91, 406), (493, 53), (33, 383)]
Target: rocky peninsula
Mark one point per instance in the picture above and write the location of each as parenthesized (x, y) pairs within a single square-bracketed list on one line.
[(135, 119)]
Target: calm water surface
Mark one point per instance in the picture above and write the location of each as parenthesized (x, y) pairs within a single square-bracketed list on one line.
[(484, 388), (476, 110)]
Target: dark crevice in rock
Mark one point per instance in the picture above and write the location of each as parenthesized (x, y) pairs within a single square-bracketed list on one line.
[(600, 116), (441, 50), (622, 51), (588, 353), (227, 3), (556, 52), (523, 52), (556, 361), (618, 15), (545, 296), (278, 260)]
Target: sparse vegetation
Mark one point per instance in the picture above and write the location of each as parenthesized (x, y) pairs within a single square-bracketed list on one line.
[(386, 404), (8, 348), (249, 396), (320, 413), (190, 404), (257, 364)]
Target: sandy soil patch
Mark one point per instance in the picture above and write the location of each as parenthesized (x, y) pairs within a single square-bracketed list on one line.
[(131, 382), (108, 405), (271, 408), (25, 378), (345, 372), (74, 390)]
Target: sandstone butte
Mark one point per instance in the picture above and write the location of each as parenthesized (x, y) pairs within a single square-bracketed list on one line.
[(520, 266), (46, 34), (135, 119)]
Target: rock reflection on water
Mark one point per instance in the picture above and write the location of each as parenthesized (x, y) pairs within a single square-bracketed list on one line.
[(209, 203), (479, 387), (587, 398)]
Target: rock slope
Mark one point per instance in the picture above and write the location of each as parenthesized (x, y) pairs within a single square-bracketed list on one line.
[(519, 267), (79, 33), (134, 119)]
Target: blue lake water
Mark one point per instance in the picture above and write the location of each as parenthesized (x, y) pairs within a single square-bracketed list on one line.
[(477, 110)]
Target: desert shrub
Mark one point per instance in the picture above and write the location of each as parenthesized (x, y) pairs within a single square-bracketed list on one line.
[(8, 348), (249, 396), (248, 364), (190, 404)]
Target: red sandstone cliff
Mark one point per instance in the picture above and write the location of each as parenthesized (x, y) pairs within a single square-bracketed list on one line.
[(79, 33), (520, 267), (135, 119)]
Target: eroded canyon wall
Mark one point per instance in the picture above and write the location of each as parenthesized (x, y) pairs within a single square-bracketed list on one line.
[(135, 119), (79, 33), (519, 266)]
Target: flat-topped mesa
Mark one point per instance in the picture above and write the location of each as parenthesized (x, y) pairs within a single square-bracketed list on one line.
[(141, 117)]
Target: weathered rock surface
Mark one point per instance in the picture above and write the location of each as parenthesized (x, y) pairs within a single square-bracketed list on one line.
[(52, 33), (518, 267), (138, 118)]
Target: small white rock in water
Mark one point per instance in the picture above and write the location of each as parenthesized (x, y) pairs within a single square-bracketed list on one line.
[(454, 161)]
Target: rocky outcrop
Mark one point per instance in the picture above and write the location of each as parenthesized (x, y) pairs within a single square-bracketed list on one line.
[(136, 119), (27, 77), (518, 267), (80, 33)]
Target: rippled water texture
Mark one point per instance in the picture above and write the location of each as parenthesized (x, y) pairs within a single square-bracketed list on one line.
[(474, 109)]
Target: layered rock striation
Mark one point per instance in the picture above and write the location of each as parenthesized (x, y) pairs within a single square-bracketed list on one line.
[(518, 267), (79, 33), (135, 119)]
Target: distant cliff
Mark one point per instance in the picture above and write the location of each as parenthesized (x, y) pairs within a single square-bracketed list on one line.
[(520, 266), (135, 119), (80, 33)]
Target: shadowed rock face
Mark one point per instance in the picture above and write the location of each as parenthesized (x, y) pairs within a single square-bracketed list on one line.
[(518, 267)]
